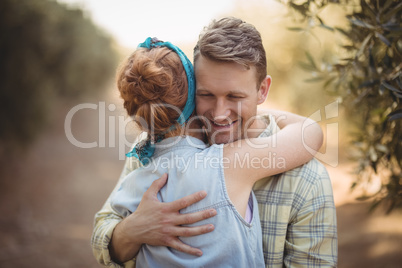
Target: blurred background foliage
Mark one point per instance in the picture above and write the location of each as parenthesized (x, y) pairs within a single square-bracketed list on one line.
[(319, 51), (48, 52), (363, 67)]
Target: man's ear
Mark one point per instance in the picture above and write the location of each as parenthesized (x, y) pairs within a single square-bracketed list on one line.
[(264, 89)]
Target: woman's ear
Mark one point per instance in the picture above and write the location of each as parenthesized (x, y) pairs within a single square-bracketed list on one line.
[(264, 89)]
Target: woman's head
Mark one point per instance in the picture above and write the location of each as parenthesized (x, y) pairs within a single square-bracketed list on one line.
[(153, 85)]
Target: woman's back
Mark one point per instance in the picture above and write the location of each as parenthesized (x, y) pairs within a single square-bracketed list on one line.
[(192, 167)]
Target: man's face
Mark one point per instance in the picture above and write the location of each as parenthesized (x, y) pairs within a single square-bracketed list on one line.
[(227, 96)]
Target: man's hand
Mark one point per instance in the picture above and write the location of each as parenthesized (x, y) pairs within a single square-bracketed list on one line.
[(159, 224)]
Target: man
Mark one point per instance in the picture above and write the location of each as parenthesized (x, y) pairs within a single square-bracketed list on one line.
[(296, 207)]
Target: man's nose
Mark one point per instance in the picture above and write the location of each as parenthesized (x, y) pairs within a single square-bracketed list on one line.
[(221, 111)]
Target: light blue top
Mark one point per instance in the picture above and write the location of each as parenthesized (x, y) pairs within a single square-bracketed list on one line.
[(193, 167)]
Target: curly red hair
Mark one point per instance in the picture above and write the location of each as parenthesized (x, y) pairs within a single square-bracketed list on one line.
[(153, 85)]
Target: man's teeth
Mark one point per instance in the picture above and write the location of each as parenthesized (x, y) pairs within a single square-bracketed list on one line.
[(222, 125)]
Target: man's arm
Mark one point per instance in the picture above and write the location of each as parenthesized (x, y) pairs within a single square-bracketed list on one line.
[(311, 239), (106, 220), (155, 223)]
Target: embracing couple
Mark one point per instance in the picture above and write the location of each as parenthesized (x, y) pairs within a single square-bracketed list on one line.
[(215, 182)]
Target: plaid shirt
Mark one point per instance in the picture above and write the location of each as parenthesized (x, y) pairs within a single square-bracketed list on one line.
[(297, 213)]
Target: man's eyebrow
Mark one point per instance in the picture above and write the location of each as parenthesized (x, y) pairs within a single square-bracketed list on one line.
[(232, 92), (202, 89), (237, 92)]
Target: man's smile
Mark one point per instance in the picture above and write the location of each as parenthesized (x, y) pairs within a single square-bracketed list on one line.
[(222, 125)]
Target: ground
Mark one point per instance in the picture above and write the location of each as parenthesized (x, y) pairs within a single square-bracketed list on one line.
[(49, 196)]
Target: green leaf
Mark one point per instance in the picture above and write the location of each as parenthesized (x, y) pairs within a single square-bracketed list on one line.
[(373, 157), (344, 32), (296, 29), (319, 19), (363, 45), (368, 83), (382, 38), (307, 66), (322, 25), (390, 87), (311, 60), (382, 148), (366, 8), (398, 95), (391, 26), (314, 79), (347, 59), (329, 81), (349, 47), (379, 51), (395, 115), (302, 9), (399, 81), (361, 24), (388, 16), (381, 90), (387, 5)]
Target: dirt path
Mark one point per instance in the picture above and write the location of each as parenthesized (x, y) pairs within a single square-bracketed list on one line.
[(49, 197)]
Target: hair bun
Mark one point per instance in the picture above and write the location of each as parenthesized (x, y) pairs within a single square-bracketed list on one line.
[(153, 85)]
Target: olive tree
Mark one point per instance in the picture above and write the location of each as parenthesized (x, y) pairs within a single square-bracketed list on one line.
[(367, 77)]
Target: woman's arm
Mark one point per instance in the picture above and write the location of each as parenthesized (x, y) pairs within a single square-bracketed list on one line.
[(295, 144), (284, 119)]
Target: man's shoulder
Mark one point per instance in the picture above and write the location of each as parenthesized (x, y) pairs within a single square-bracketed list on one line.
[(305, 176), (295, 186), (311, 175), (313, 168)]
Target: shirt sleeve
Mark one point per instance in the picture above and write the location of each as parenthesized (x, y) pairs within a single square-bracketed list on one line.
[(106, 220), (311, 240)]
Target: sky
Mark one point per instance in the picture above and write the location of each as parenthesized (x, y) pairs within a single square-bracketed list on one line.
[(131, 21)]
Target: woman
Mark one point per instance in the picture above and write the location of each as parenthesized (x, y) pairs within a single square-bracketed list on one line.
[(157, 85)]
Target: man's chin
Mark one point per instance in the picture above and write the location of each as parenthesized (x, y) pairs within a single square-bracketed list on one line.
[(221, 139)]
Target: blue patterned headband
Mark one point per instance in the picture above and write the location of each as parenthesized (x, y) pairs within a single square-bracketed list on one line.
[(145, 149)]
